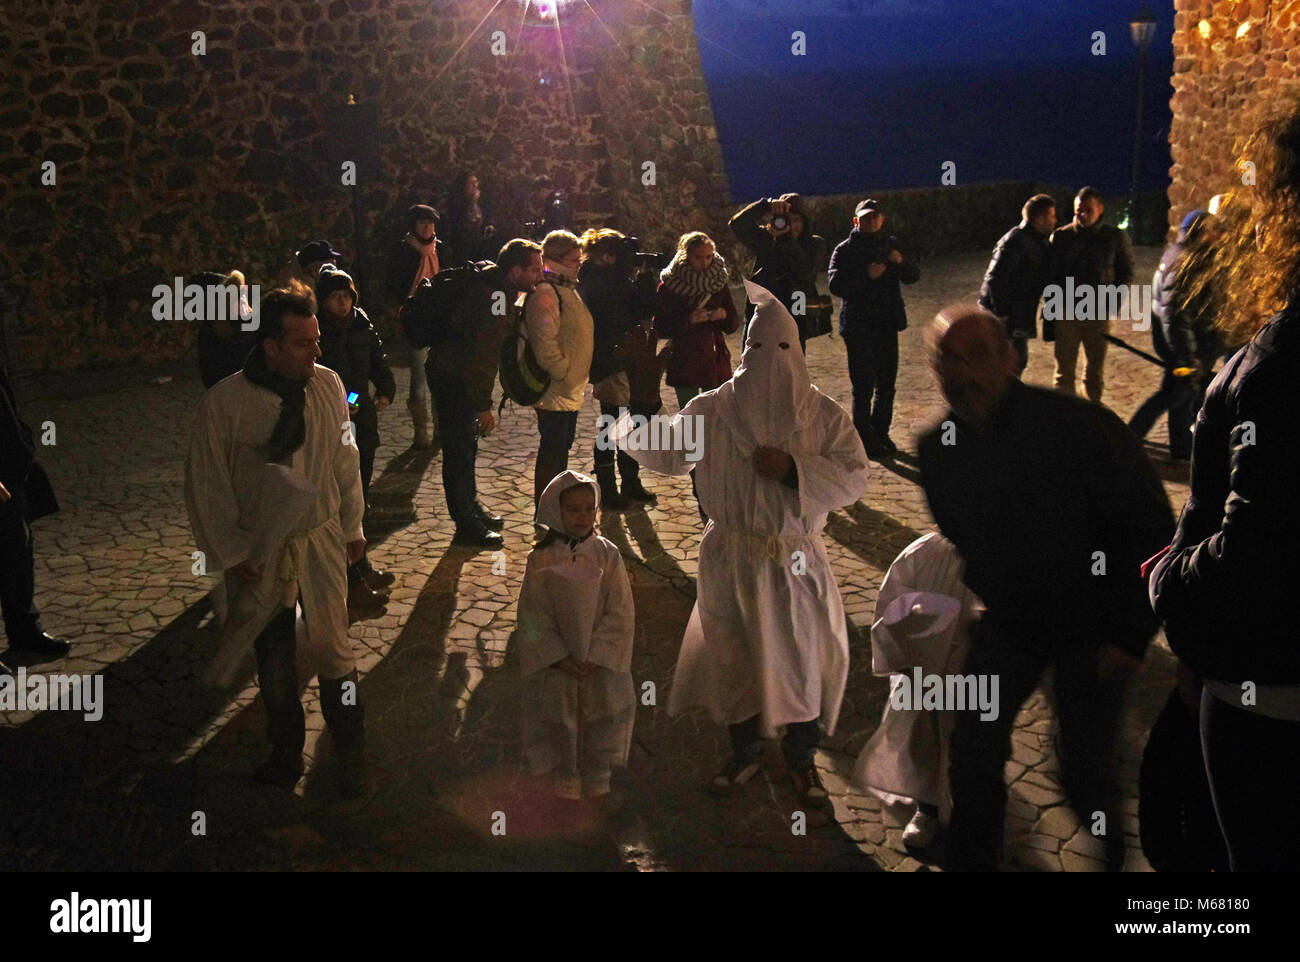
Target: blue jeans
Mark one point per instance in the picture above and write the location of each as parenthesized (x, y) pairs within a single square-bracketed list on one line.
[(419, 380), (557, 430)]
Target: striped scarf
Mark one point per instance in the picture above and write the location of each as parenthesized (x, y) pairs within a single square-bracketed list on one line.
[(680, 278)]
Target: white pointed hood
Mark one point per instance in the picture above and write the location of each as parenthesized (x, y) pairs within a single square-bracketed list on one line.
[(548, 511), (769, 396)]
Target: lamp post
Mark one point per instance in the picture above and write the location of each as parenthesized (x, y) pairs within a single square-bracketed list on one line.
[(1142, 28)]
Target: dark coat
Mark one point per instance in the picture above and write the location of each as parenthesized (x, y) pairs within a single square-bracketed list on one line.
[(1098, 255), (20, 472), (1225, 590), (782, 264), (1182, 330), (1017, 273), (610, 296), (870, 303), (1052, 480), (404, 261), (353, 350), (220, 357), (700, 357), (472, 353)]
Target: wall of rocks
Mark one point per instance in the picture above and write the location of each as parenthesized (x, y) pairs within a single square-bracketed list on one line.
[(168, 161), (1232, 58)]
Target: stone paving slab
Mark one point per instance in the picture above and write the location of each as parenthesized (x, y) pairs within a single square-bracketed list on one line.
[(114, 574)]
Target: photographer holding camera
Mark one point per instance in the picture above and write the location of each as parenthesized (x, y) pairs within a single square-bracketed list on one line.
[(786, 255), (866, 271)]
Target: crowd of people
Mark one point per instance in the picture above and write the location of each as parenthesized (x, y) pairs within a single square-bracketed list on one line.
[(1056, 545)]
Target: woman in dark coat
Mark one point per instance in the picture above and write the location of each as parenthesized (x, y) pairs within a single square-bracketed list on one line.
[(605, 285), (1225, 588), (696, 310)]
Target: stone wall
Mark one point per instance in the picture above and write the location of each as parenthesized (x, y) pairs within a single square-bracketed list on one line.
[(1230, 57), (168, 162)]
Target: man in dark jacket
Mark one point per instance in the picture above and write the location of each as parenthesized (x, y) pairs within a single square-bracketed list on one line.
[(462, 371), (1017, 274), (1094, 255), (867, 270), (1183, 336), (786, 255), (351, 348), (24, 495), (1053, 506), (420, 254)]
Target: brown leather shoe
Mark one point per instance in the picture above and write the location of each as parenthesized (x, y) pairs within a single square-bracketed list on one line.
[(361, 595)]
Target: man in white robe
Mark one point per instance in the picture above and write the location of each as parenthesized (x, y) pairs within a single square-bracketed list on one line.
[(767, 644), (273, 489)]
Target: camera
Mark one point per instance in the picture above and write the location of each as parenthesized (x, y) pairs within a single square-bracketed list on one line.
[(780, 222)]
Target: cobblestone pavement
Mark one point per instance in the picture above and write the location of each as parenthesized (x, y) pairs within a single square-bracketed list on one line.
[(114, 574)]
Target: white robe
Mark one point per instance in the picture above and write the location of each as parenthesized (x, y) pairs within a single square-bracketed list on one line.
[(906, 759), (767, 635), (575, 601), (295, 520)]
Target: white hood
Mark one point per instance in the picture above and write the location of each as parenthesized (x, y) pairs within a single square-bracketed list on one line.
[(769, 396), (548, 511)]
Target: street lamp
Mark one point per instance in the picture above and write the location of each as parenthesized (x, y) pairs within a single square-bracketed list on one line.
[(1142, 28)]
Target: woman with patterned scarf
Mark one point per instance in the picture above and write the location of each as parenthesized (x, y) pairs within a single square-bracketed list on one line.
[(696, 310)]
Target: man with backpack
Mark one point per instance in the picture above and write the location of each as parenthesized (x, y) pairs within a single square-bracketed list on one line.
[(464, 318)]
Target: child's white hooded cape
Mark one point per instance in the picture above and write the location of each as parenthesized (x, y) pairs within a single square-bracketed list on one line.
[(767, 635), (576, 600), (906, 759)]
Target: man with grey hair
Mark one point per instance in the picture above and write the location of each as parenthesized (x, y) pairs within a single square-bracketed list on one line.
[(1053, 506)]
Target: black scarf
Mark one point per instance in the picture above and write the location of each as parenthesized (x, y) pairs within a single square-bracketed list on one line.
[(290, 430)]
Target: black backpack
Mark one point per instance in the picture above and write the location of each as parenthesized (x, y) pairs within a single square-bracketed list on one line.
[(426, 317), (523, 379)]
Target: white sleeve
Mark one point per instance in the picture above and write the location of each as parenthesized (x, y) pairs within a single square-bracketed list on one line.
[(210, 492)]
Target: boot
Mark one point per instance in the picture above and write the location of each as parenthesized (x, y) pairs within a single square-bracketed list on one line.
[(610, 499), (422, 419), (633, 490), (345, 718)]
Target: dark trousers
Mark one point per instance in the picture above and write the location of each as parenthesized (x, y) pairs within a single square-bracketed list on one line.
[(557, 430), (799, 745), (873, 369), (1254, 782), (1088, 715), (1021, 345), (629, 469), (17, 573), (286, 722), (458, 426), (1181, 397)]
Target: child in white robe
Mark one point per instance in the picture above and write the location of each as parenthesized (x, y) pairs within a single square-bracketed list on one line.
[(575, 645), (923, 616)]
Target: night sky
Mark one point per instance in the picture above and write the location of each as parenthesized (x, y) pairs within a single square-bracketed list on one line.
[(891, 89)]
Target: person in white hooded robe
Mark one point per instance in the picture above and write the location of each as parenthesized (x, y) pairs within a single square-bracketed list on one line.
[(923, 616), (576, 623), (767, 644), (273, 490)]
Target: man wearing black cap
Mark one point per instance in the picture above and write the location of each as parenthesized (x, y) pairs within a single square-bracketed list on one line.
[(866, 270), (25, 495), (304, 265), (418, 255)]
